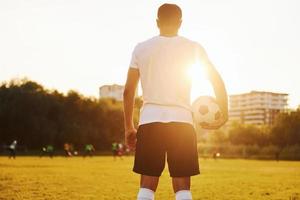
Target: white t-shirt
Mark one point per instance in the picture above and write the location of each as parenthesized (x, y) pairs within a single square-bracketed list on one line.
[(163, 64), (158, 113)]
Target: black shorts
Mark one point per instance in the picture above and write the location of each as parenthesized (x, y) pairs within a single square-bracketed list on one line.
[(174, 140)]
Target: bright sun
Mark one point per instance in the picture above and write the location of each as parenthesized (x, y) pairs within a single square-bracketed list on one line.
[(200, 84)]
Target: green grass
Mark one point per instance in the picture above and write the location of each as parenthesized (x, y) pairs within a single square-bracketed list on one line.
[(102, 178)]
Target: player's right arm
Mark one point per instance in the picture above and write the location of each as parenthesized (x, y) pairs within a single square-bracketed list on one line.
[(128, 103), (218, 86)]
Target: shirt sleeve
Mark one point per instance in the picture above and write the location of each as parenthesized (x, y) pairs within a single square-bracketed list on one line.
[(134, 59)]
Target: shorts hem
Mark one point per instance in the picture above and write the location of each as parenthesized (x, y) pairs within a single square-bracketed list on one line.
[(185, 175), (141, 172)]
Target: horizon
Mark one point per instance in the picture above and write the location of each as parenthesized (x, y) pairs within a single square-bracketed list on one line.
[(98, 96), (77, 45)]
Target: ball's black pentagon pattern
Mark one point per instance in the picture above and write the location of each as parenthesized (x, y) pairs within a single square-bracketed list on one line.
[(217, 115), (203, 109), (206, 112)]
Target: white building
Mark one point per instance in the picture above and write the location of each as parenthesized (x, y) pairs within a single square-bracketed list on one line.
[(256, 107), (112, 91)]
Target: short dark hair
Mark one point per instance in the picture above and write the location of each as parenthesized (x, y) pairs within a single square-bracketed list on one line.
[(169, 13)]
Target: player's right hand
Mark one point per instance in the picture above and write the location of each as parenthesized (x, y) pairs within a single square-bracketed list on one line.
[(130, 138)]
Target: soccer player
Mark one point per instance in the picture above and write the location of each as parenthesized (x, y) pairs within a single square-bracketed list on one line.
[(43, 151), (12, 149), (50, 150), (166, 123), (88, 150), (67, 149), (114, 149)]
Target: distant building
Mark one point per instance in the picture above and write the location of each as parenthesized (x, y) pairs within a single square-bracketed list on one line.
[(257, 107), (112, 91)]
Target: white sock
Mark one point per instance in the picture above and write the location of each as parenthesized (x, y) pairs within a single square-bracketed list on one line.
[(145, 194), (184, 195)]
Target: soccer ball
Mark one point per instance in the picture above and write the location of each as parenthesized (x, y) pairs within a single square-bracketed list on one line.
[(206, 111)]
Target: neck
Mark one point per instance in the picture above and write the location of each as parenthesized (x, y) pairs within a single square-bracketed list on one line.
[(168, 33)]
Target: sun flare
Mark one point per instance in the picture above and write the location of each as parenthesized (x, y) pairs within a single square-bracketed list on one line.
[(200, 83)]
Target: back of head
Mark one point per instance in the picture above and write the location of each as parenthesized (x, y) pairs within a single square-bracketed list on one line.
[(169, 14)]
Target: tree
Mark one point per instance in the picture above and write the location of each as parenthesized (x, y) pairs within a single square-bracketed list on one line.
[(36, 117), (247, 135), (286, 130)]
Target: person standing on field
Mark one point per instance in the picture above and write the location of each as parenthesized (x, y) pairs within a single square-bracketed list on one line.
[(50, 150), (166, 124), (88, 150), (114, 149), (12, 149)]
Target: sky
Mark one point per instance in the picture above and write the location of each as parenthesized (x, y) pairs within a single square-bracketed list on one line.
[(83, 44)]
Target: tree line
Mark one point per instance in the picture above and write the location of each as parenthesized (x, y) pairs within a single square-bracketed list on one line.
[(280, 140), (284, 132), (36, 117)]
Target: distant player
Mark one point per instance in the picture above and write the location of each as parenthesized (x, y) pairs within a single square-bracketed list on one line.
[(43, 151), (68, 149), (88, 150), (114, 149), (12, 149), (50, 151), (216, 155), (166, 122)]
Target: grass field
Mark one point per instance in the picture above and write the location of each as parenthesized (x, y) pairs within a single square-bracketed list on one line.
[(102, 178)]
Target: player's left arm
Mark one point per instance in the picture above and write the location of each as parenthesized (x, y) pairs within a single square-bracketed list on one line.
[(218, 86)]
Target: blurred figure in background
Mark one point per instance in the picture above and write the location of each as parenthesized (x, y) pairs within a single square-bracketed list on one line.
[(50, 150), (68, 149), (43, 151), (114, 148), (12, 149), (88, 150)]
